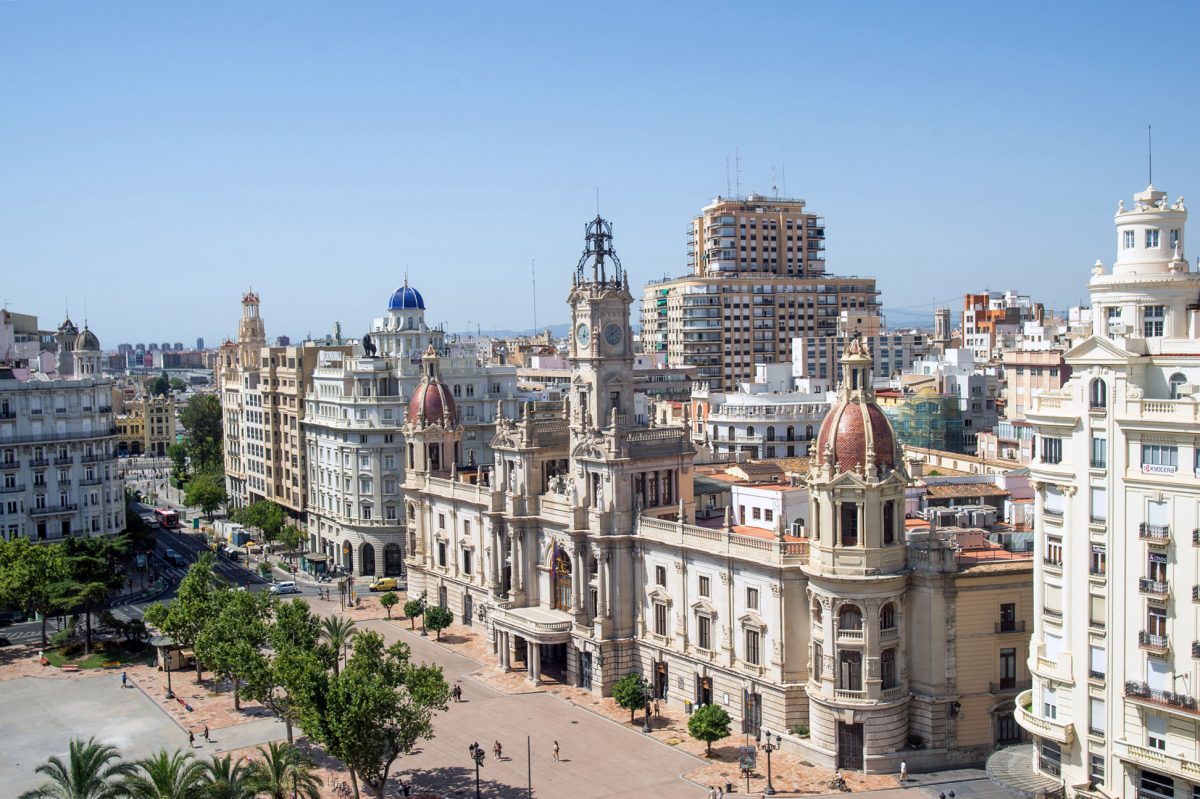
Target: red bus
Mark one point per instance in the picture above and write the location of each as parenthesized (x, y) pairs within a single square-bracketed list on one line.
[(167, 517)]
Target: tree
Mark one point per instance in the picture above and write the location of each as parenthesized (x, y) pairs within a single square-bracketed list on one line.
[(438, 618), (228, 779), (414, 608), (235, 634), (177, 453), (206, 491), (709, 723), (389, 601), (92, 771), (292, 537), (28, 574), (298, 660), (196, 602), (265, 515), (178, 385), (202, 421), (377, 709), (338, 633), (630, 692), (283, 773), (159, 386), (166, 776), (92, 570)]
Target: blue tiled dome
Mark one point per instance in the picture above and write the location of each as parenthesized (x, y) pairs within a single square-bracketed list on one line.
[(406, 298)]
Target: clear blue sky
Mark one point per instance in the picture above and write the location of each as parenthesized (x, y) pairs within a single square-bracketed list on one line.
[(160, 157)]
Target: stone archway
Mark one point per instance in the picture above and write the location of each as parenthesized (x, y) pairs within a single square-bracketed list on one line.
[(560, 571), (347, 557), (366, 557)]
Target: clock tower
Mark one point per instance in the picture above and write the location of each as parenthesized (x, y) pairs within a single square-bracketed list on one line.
[(601, 350)]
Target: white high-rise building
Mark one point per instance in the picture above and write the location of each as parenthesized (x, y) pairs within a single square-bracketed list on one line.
[(1114, 657)]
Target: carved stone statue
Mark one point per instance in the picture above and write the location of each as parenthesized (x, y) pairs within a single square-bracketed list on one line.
[(368, 345)]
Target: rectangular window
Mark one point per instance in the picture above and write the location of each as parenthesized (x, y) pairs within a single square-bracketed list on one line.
[(1159, 459), (441, 554), (705, 587), (752, 598), (1096, 723), (1156, 732), (752, 646), (1099, 452), (1054, 552), (1130, 240), (660, 619), (1051, 449), (1008, 668), (702, 631), (1097, 662), (1049, 703), (1099, 504), (1174, 238), (441, 521), (768, 515), (466, 561), (1098, 563), (756, 513), (660, 575), (1096, 769), (1152, 320), (1151, 237)]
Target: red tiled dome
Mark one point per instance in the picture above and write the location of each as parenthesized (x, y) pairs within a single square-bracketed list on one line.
[(846, 429), (435, 398)]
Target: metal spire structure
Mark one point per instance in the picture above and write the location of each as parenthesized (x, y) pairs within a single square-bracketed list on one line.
[(598, 234)]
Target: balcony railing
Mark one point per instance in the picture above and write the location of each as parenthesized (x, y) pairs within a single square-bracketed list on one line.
[(1055, 730), (889, 633), (1096, 675), (1052, 613), (1140, 690), (1153, 641), (1152, 587), (1098, 463), (1196, 649), (52, 509), (1100, 521), (1154, 532), (1006, 686), (1049, 766), (13, 489), (1010, 626), (1196, 536), (853, 635), (1052, 513), (1054, 563)]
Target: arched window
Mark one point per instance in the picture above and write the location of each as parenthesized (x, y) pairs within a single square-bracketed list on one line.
[(457, 390), (750, 431), (770, 434), (368, 559), (791, 433), (850, 618), (470, 389), (887, 617), (889, 522), (816, 610), (808, 432), (1175, 382), (1098, 394), (730, 432)]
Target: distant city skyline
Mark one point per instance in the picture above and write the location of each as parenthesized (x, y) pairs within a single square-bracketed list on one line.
[(325, 154)]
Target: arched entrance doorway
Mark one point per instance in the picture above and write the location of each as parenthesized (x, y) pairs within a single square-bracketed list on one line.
[(367, 557), (393, 560), (560, 575), (347, 557)]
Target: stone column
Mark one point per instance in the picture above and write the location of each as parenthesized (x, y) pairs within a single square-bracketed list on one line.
[(502, 654), (496, 552), (602, 593), (533, 654), (515, 557), (577, 578)]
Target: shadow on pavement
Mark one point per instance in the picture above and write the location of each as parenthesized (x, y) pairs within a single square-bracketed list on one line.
[(456, 781)]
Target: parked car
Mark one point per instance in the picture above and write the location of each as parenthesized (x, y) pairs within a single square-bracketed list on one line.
[(173, 557), (285, 587), (384, 584)]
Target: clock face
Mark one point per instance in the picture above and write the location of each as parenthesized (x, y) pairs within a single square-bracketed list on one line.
[(612, 334), (583, 335)]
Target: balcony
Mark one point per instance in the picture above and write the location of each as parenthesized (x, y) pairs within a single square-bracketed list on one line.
[(889, 633), (1053, 513), (1158, 589), (38, 462), (1196, 537), (67, 461), (1053, 729), (850, 635), (1098, 464), (848, 695), (1099, 676), (1196, 649), (1008, 686), (1180, 765), (1052, 562), (1154, 533), (1153, 642), (1010, 626), (13, 489), (1144, 693), (1052, 613), (50, 510)]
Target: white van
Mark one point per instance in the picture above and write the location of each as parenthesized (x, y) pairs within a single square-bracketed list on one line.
[(285, 587)]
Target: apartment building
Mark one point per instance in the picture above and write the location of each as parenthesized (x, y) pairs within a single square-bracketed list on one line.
[(990, 315), (818, 356), (58, 476), (1113, 708), (756, 281), (146, 426)]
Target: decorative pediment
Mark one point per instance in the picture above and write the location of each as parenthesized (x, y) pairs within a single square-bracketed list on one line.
[(752, 620), (660, 595), (1099, 350), (704, 607), (587, 449)]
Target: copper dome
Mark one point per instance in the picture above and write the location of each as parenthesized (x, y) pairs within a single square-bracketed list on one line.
[(434, 399), (851, 430)]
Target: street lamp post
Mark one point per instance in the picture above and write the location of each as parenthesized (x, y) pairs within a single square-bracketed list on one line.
[(477, 756), (424, 633), (769, 747), (646, 723)]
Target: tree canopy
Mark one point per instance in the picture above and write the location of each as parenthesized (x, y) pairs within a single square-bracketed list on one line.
[(232, 638), (203, 424), (28, 574), (438, 618), (206, 491), (709, 723), (265, 515), (630, 692), (196, 603)]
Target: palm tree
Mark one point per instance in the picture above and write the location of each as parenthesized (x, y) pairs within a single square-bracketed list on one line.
[(167, 776), (338, 632), (227, 779), (283, 773), (92, 771)]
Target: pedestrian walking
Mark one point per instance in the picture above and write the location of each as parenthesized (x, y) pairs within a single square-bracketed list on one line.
[(497, 749), (407, 790), (206, 738), (556, 752), (903, 772), (720, 792), (457, 692), (124, 679), (712, 793), (657, 710), (191, 739)]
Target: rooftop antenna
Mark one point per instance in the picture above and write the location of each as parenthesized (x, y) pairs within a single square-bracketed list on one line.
[(597, 201), (784, 169), (1150, 154), (728, 184), (774, 185), (533, 285), (737, 157)]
